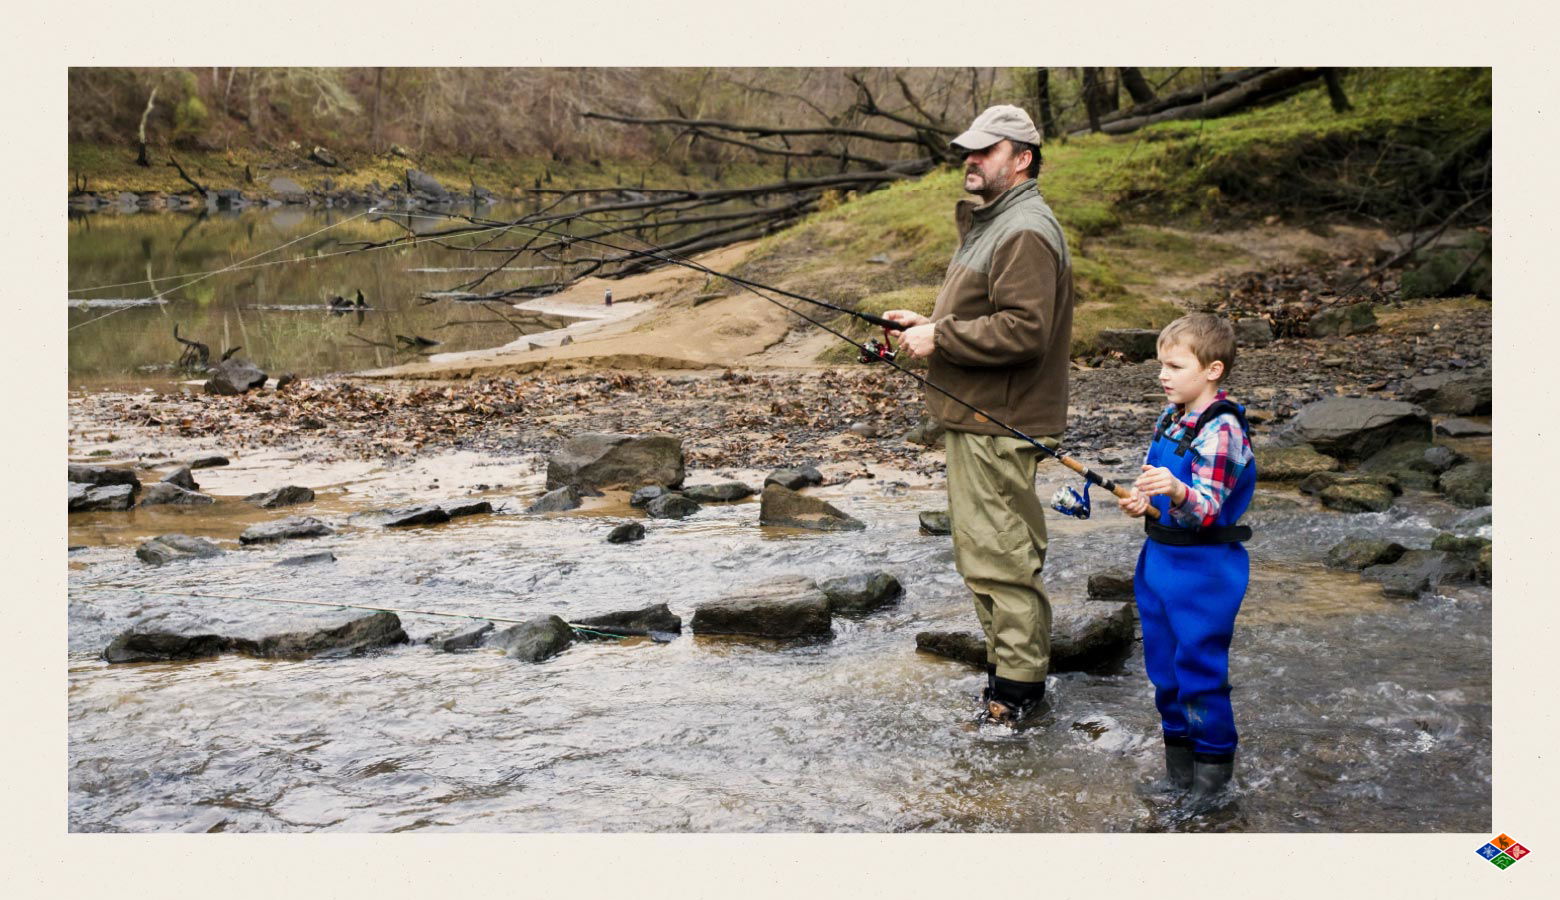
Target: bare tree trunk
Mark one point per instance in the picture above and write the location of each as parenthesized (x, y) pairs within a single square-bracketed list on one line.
[(1136, 84), (1091, 95), (1340, 100), (1043, 92), (379, 79), (141, 159), (1110, 101)]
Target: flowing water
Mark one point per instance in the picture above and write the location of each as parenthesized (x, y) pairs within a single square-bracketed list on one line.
[(1358, 712)]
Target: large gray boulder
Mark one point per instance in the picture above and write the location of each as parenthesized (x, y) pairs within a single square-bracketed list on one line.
[(422, 183), (169, 547), (784, 608), (780, 506), (533, 640), (1353, 429), (371, 632), (289, 528), (642, 497), (163, 493), (597, 461), (235, 376), (282, 496), (1453, 393), (1468, 484), (1253, 332), (1135, 344), (85, 498), (861, 593)]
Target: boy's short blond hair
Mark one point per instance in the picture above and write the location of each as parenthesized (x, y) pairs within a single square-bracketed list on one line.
[(1209, 337)]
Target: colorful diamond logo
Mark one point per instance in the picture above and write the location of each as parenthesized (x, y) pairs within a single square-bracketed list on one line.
[(1516, 851), (1503, 861), (1502, 850), (1502, 841), (1489, 851)]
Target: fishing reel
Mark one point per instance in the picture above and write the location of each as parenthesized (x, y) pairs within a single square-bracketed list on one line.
[(874, 350), (1069, 502)]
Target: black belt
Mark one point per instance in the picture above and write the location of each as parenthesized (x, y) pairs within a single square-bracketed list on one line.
[(1190, 537)]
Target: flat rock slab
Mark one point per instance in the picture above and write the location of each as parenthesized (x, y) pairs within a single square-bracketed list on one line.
[(671, 506), (783, 608), (235, 376), (282, 496), (308, 559), (861, 593), (785, 507), (372, 632), (1463, 428), (601, 460), (533, 640), (560, 499), (163, 646), (1353, 429), (166, 493), (656, 621), (290, 528), (1418, 571), (464, 638), (724, 492), (102, 476), (795, 479), (1292, 463), (1453, 393), (169, 547), (406, 517), (207, 462), (1111, 587), (626, 533), (459, 508), (1135, 344), (1357, 554), (1321, 481), (935, 521), (85, 498)]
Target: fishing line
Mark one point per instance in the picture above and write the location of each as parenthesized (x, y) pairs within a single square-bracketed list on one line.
[(331, 605)]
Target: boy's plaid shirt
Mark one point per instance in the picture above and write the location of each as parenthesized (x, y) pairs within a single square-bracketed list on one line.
[(1220, 452)]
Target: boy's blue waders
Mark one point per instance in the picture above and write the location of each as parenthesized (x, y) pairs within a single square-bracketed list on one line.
[(1189, 584)]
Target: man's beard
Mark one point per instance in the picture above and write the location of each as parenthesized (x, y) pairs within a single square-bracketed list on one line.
[(992, 182)]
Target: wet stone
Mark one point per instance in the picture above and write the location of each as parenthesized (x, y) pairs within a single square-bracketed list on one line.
[(560, 500), (671, 506), (102, 476), (645, 494), (781, 506), (182, 478), (1418, 571), (1111, 586), (795, 479), (1405, 462), (1315, 484), (1463, 428), (1291, 463), (169, 547), (657, 620), (162, 646), (962, 646), (1356, 497), (1356, 428), (1468, 547), (1360, 553), (600, 460), (84, 498), (464, 638), (235, 376), (626, 533), (862, 593), (1439, 458), (308, 559), (282, 496), (163, 493), (1468, 484), (935, 521), (783, 608), (725, 492), (458, 508), (533, 640), (289, 528), (382, 629), (1085, 633), (407, 517)]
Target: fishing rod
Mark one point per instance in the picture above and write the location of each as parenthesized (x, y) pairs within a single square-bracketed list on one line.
[(593, 629), (1067, 500)]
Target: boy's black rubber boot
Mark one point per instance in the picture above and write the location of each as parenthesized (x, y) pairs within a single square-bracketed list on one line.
[(1178, 770), (1211, 775)]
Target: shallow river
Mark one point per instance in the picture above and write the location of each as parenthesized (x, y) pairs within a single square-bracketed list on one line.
[(1358, 712)]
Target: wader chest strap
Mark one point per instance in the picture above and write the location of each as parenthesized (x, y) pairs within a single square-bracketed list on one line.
[(1190, 537)]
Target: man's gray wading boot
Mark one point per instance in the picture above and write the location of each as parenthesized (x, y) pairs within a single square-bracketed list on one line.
[(1013, 703), (1178, 770)]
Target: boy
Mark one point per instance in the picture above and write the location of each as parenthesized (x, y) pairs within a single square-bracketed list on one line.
[(1191, 574)]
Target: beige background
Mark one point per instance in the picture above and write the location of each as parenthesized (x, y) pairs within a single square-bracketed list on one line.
[(44, 860)]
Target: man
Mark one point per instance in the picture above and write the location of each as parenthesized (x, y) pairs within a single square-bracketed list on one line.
[(998, 338)]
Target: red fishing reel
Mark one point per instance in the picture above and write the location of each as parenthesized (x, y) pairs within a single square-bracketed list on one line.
[(874, 350)]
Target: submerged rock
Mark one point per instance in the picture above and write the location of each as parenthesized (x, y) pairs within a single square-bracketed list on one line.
[(725, 492), (598, 460), (560, 500), (652, 620), (164, 493), (1406, 462), (409, 516), (784, 608), (1361, 553), (463, 638), (308, 559), (1321, 481), (795, 479), (963, 646), (282, 496), (162, 646), (169, 547), (862, 593), (533, 640), (782, 506), (1419, 570), (1291, 463), (626, 533), (935, 521), (671, 506), (285, 529), (372, 632), (208, 461), (458, 508), (1353, 429)]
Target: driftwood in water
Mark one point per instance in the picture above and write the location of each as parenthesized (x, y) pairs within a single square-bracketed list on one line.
[(196, 356)]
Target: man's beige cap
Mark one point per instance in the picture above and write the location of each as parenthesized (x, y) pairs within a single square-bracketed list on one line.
[(997, 123)]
